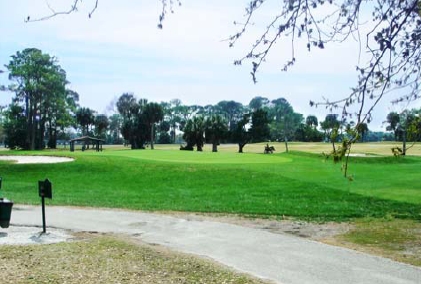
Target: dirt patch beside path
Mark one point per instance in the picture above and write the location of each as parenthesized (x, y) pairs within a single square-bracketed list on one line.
[(335, 234), (313, 231)]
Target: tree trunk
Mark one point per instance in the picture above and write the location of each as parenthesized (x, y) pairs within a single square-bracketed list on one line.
[(33, 128), (54, 138), (39, 133), (214, 146), (173, 133), (345, 166), (286, 144), (50, 135), (240, 147), (152, 135), (404, 143), (28, 121)]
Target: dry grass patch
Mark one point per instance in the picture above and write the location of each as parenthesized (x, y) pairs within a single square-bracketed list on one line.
[(376, 148), (108, 259), (373, 148), (396, 239)]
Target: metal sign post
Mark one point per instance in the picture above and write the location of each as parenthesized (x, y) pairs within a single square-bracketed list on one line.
[(44, 191)]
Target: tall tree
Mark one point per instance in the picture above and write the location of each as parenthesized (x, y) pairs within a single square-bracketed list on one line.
[(85, 117), (415, 125), (406, 126), (194, 133), (414, 129), (101, 123), (231, 110), (127, 105), (210, 110), (115, 126), (311, 120), (60, 115), (135, 130), (128, 108), (259, 129), (362, 130), (307, 132), (176, 117), (139, 119), (15, 127), (393, 120), (184, 113), (163, 134), (331, 126), (40, 87), (152, 114), (3, 110), (258, 103), (253, 127), (215, 129), (240, 133), (285, 121)]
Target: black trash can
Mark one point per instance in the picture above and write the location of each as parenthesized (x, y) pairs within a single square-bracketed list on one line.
[(5, 212)]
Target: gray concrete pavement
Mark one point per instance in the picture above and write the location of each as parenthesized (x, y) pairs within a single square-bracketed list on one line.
[(282, 258)]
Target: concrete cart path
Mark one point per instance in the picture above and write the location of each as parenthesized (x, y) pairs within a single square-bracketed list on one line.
[(282, 258)]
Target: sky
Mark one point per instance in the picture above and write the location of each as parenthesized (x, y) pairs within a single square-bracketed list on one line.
[(120, 49)]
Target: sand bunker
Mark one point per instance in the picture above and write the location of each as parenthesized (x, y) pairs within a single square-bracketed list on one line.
[(36, 159), (21, 235), (362, 155)]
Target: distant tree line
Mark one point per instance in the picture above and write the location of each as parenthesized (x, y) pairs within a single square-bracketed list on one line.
[(44, 111)]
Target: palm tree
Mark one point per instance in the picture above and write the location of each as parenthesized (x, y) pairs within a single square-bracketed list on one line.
[(101, 125), (129, 109), (393, 119), (312, 121), (331, 126), (153, 113), (362, 130), (215, 129), (85, 117), (193, 133)]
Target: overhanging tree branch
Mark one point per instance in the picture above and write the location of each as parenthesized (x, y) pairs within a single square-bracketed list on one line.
[(393, 43), (54, 13), (167, 6)]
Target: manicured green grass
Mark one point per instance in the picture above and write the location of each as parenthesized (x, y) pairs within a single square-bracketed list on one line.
[(296, 184)]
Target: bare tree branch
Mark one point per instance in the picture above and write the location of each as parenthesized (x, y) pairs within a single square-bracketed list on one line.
[(393, 43), (167, 6), (73, 8)]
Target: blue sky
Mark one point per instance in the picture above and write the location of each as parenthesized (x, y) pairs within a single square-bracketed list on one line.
[(121, 50)]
